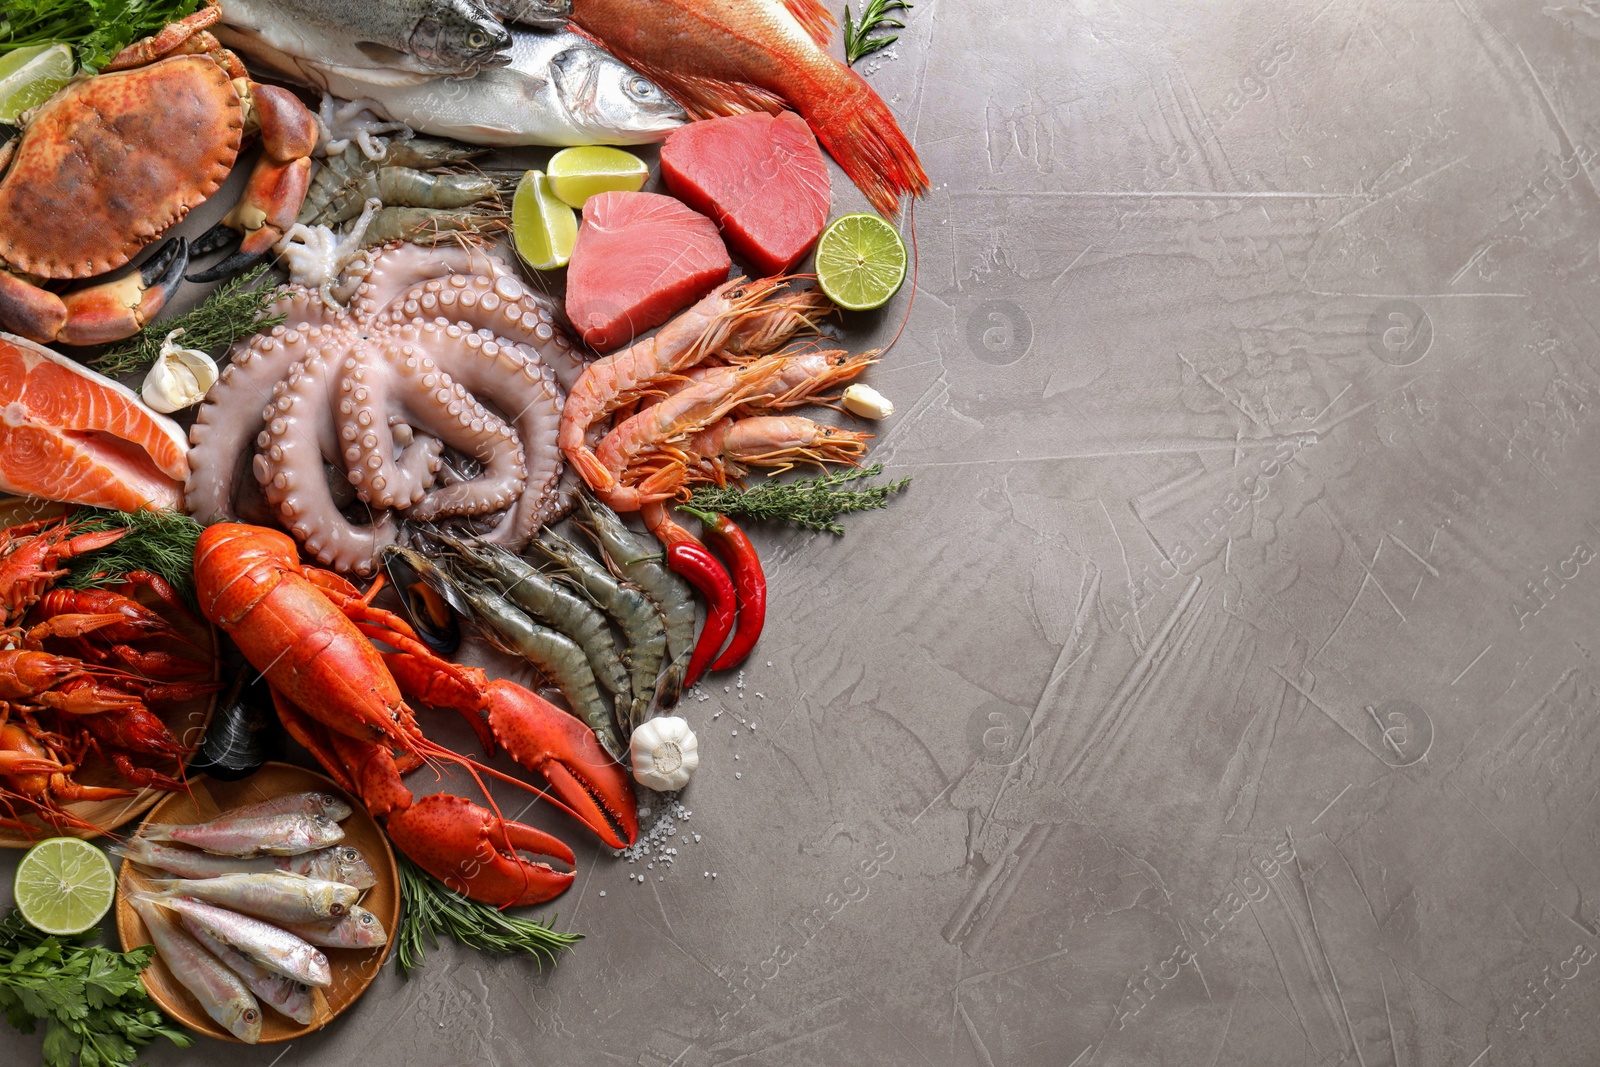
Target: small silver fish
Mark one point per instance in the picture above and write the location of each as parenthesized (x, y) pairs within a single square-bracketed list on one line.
[(535, 14), (560, 89), (359, 929), (266, 835), (312, 803), (276, 896), (274, 948), (338, 863), (220, 992), (392, 42), (289, 997)]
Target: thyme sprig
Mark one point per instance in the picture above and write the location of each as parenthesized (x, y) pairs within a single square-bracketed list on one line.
[(235, 310), (814, 503), (429, 908), (864, 37)]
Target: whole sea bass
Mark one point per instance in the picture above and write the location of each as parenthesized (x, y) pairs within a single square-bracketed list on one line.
[(724, 57), (394, 42), (558, 89)]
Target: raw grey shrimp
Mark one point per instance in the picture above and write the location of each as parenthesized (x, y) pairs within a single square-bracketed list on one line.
[(642, 625), (641, 561)]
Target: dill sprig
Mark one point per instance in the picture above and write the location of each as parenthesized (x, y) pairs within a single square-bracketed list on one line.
[(875, 18), (233, 311), (429, 908), (96, 29), (814, 503), (161, 542)]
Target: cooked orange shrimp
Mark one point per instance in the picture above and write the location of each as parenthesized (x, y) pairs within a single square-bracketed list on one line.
[(726, 447), (740, 318), (676, 418)]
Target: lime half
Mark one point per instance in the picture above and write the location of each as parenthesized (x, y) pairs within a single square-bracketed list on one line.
[(544, 228), (861, 262), (64, 885), (30, 76), (576, 174)]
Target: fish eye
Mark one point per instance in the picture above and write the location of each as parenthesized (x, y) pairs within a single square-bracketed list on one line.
[(367, 919), (641, 87), (336, 909), (349, 854), (476, 40), (251, 1015)]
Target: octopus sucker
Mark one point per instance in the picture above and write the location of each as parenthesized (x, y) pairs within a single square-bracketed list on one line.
[(379, 390)]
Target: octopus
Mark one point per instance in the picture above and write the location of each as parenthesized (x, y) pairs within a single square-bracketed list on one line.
[(436, 392)]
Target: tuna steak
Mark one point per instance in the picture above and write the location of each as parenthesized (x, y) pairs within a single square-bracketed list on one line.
[(761, 177), (68, 434), (640, 259)]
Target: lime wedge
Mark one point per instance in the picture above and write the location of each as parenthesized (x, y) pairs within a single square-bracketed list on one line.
[(576, 174), (64, 885), (861, 262), (30, 76), (544, 228)]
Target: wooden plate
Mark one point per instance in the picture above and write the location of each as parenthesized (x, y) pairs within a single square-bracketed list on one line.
[(353, 968), (187, 720)]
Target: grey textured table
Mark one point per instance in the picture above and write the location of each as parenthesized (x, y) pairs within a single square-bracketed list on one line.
[(1223, 691)]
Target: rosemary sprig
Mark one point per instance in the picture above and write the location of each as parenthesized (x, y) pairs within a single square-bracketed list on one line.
[(429, 908), (233, 311), (161, 542), (875, 18), (814, 503)]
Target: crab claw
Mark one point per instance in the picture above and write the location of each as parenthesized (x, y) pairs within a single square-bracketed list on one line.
[(543, 738), (220, 238), (474, 853), (119, 308)]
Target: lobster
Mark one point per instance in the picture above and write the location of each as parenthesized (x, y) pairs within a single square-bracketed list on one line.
[(314, 637)]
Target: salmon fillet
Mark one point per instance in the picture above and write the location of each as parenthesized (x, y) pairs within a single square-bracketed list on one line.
[(69, 434)]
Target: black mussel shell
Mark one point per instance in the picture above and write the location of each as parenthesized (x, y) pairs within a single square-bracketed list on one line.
[(424, 604), (244, 732)]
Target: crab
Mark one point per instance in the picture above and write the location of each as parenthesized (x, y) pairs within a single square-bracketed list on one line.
[(112, 161)]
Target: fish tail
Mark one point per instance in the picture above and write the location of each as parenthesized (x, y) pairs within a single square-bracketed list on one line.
[(861, 134), (155, 831)]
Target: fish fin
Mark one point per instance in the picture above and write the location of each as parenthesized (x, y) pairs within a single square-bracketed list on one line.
[(155, 831), (710, 98), (862, 135), (817, 20)]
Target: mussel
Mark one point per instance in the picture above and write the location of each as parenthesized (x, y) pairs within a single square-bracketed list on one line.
[(428, 607), (244, 733)]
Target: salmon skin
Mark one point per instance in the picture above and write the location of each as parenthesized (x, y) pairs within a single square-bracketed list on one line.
[(640, 259), (728, 57), (770, 222), (72, 435)]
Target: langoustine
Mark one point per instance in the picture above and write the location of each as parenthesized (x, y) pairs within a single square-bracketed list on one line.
[(378, 389)]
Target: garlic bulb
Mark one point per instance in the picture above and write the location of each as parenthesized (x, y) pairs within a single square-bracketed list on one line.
[(867, 402), (665, 753), (179, 377)]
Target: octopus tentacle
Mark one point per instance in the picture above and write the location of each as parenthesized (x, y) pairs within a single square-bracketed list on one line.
[(230, 418), (525, 390), (396, 268), (298, 435), (413, 384)]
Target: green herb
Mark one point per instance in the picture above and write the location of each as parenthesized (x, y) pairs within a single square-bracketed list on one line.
[(95, 1010), (810, 502), (875, 18), (96, 29), (233, 311), (161, 542), (430, 908)]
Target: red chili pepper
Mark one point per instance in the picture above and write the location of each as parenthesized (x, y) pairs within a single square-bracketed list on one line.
[(748, 581), (696, 563)]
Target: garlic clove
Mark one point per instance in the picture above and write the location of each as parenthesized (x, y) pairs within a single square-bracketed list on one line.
[(179, 378), (664, 753), (867, 402)]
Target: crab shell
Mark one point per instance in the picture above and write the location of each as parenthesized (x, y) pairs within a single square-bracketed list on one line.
[(111, 162)]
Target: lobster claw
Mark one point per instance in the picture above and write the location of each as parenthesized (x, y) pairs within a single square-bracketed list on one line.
[(466, 847), (543, 738)]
